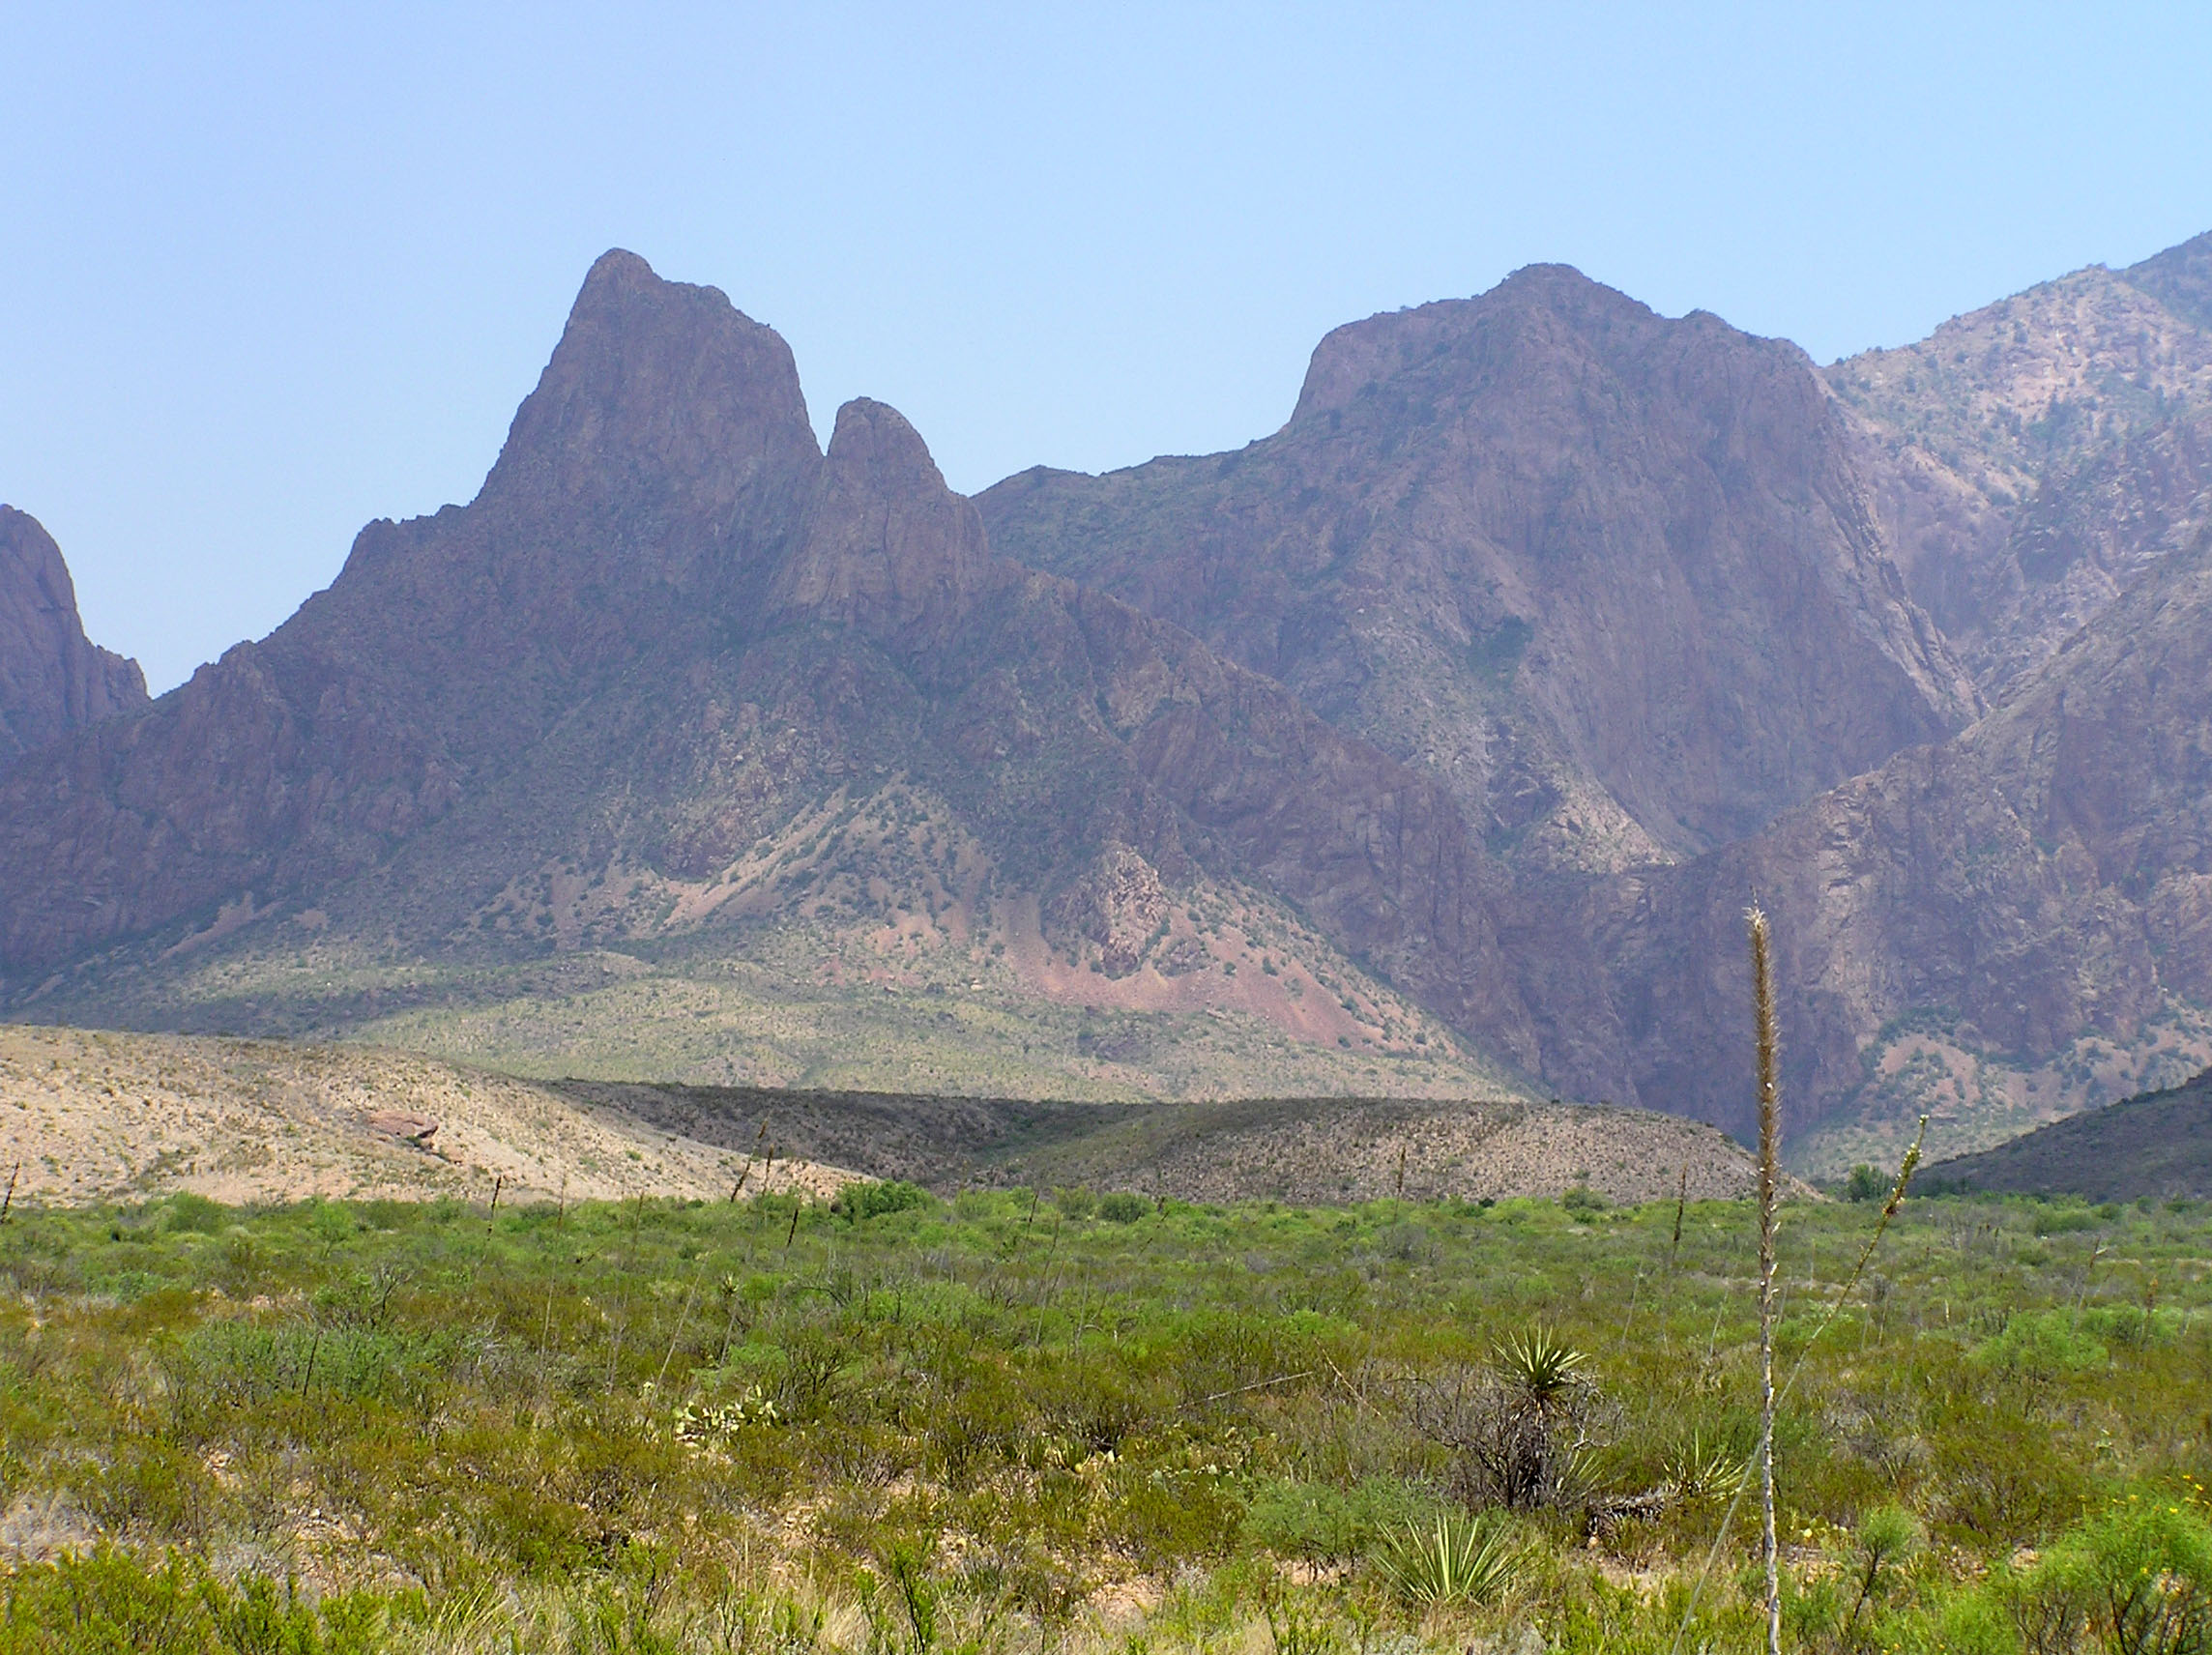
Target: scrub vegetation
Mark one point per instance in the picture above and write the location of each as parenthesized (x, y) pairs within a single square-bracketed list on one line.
[(1099, 1424)]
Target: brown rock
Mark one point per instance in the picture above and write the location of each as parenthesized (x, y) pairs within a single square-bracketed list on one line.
[(415, 1129)]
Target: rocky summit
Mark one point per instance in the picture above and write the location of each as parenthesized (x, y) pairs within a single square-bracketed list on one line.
[(53, 679), (1431, 744), (1612, 580)]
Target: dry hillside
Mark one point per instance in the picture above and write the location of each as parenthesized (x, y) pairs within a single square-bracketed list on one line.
[(1313, 1150), (87, 1116)]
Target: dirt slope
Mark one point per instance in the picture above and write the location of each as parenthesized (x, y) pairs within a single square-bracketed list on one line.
[(89, 1116)]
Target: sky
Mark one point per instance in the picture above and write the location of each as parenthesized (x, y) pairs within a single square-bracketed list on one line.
[(268, 273)]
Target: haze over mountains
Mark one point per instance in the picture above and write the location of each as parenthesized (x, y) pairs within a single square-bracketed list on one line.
[(1433, 743)]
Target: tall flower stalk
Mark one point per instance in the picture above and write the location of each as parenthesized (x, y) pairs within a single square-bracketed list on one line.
[(1769, 1181)]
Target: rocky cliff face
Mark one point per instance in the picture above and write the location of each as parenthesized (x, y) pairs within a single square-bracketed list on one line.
[(2045, 874), (1612, 580), (2028, 459), (53, 679)]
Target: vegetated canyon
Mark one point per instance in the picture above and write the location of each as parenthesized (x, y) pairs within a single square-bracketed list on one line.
[(1430, 745)]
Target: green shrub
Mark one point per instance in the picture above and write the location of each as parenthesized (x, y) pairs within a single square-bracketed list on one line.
[(1323, 1523), (2041, 1346), (1583, 1202), (1122, 1207), (861, 1201), (1865, 1184), (2138, 1579), (109, 1603), (196, 1214)]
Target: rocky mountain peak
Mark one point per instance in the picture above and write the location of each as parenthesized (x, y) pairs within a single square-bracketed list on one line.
[(1362, 357), (53, 678), (662, 398), (889, 547)]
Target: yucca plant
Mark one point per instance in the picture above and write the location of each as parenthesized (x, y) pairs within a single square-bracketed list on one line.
[(1455, 1561), (1541, 1366)]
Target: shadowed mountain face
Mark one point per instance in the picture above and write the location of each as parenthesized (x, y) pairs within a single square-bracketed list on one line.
[(2031, 458), (1611, 579), (53, 678), (2157, 1145)]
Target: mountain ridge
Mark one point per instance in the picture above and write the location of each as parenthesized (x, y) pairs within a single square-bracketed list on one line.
[(1435, 741)]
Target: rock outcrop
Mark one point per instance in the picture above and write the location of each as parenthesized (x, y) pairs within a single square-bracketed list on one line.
[(53, 679)]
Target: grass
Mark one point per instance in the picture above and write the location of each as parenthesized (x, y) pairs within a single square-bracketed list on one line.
[(1022, 1421)]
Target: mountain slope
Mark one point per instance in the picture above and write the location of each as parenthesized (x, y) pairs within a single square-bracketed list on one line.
[(2157, 1146), (1610, 579), (52, 678), (2045, 874), (1301, 1149), (2030, 457)]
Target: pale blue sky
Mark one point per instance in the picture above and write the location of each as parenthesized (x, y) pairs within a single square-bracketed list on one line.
[(269, 272)]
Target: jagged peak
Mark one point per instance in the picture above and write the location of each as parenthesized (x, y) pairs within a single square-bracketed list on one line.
[(655, 386), (52, 678), (889, 547)]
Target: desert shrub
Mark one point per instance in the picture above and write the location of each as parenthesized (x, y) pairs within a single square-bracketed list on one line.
[(194, 1214), (1122, 1207), (1998, 1474), (2041, 1346), (2136, 1580), (1583, 1202), (109, 1603), (1517, 1428), (2067, 1221), (2130, 1325), (861, 1201), (1974, 1621), (1321, 1523), (1865, 1184)]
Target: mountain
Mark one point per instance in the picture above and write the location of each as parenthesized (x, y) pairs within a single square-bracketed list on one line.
[(2157, 1145), (1431, 746), (53, 679), (1614, 580), (2036, 888), (2029, 458), (678, 690)]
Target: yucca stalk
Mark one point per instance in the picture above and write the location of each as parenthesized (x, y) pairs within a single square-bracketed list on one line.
[(1769, 1178)]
